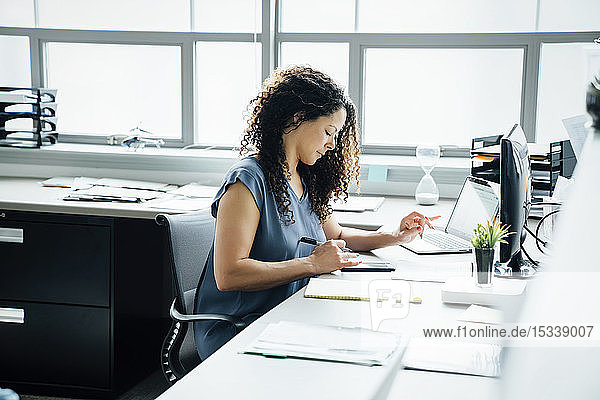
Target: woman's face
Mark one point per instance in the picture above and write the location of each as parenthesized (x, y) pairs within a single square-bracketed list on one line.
[(314, 138)]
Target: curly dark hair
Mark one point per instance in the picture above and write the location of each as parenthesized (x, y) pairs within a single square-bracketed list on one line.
[(308, 94)]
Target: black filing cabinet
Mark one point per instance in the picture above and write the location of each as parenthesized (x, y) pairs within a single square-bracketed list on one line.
[(83, 302)]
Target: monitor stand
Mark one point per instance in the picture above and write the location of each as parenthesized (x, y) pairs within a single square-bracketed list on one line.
[(517, 268)]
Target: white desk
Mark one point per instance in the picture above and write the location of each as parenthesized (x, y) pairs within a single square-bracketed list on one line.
[(227, 374)]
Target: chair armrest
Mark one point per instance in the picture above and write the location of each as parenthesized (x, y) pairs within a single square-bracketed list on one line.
[(177, 316)]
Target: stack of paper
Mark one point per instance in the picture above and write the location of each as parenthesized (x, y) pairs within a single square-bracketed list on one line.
[(453, 356), (430, 271), (196, 190), (74, 182), (358, 204), (129, 184), (177, 203), (323, 342), (116, 192)]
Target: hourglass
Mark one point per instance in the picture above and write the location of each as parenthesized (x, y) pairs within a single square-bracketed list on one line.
[(427, 192)]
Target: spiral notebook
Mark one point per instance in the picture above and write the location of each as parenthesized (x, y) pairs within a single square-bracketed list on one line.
[(337, 289)]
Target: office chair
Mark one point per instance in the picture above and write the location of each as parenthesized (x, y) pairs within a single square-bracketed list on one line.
[(189, 238)]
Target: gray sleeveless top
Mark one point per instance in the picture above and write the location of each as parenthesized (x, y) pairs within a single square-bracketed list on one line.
[(274, 241)]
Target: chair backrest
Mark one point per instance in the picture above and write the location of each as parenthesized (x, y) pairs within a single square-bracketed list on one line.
[(190, 237)]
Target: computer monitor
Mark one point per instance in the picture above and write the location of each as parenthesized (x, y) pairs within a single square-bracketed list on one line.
[(515, 201)]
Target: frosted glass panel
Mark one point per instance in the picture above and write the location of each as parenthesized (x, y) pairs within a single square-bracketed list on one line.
[(145, 15), (227, 16), (105, 89), (565, 71), (330, 58), (317, 15), (17, 13), (443, 96), (447, 16), (572, 15), (15, 69), (228, 76)]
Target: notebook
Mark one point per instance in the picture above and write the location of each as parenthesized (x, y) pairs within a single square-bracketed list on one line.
[(337, 289)]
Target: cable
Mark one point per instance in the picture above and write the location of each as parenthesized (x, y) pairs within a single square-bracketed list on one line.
[(535, 263), (535, 237), (537, 230)]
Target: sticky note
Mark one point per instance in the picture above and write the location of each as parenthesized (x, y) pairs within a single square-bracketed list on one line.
[(377, 173)]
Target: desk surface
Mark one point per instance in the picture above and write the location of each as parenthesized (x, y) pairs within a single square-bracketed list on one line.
[(26, 194), (230, 374)]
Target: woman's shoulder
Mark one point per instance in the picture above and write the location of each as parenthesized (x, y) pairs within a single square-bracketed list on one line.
[(247, 165)]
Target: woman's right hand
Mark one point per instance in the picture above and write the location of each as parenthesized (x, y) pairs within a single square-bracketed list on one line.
[(329, 257)]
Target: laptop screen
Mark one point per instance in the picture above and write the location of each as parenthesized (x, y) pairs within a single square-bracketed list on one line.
[(477, 203)]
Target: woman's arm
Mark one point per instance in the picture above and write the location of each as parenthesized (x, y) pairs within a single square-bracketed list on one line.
[(362, 240), (237, 220)]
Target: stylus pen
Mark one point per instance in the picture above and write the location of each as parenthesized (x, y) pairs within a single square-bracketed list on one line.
[(368, 269), (315, 242)]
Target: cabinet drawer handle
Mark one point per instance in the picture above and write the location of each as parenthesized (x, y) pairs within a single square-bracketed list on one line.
[(12, 315), (11, 235)]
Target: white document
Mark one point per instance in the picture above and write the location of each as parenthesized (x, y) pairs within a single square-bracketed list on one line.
[(323, 342), (480, 314), (453, 356), (196, 190), (427, 271), (575, 127), (74, 182), (180, 204), (109, 191), (358, 204), (126, 183)]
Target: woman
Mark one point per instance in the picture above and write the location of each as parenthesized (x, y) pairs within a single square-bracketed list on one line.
[(304, 133)]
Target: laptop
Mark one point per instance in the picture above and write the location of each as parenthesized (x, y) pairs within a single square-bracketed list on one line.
[(477, 202)]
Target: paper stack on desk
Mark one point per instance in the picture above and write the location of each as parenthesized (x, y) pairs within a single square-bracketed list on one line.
[(453, 356), (322, 342), (358, 204)]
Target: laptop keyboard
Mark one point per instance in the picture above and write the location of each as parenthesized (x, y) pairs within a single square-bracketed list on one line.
[(443, 240)]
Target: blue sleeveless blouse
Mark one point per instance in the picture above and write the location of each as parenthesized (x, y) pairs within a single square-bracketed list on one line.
[(274, 241)]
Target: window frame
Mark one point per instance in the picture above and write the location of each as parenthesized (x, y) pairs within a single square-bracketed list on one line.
[(271, 37), (359, 42)]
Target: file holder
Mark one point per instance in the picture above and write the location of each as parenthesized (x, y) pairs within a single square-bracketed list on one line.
[(42, 115), (548, 162)]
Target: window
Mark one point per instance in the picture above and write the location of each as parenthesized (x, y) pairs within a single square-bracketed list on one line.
[(565, 71), (17, 13), (447, 16), (15, 68), (227, 15), (317, 15), (572, 15), (330, 58), (129, 15), (228, 77), (106, 89), (417, 71), (440, 96)]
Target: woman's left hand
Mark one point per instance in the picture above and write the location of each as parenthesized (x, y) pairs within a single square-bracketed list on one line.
[(412, 225)]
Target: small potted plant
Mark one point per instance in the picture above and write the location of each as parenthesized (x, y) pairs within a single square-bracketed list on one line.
[(485, 238)]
